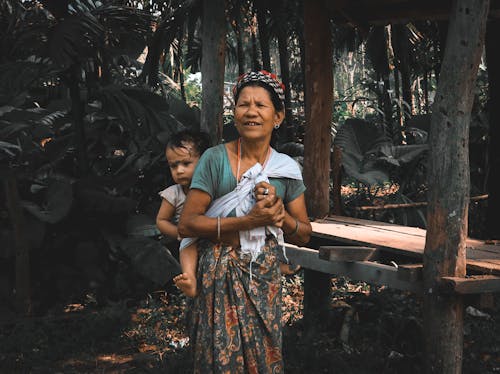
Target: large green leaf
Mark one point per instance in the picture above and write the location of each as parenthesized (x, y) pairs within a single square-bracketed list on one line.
[(57, 203), (151, 259), (360, 141), (140, 110), (142, 225)]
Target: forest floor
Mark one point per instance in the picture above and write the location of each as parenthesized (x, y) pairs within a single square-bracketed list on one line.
[(369, 329)]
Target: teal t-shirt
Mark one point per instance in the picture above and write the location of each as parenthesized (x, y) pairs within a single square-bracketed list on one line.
[(213, 175)]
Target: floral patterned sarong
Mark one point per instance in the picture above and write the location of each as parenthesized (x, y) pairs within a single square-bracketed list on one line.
[(237, 312)]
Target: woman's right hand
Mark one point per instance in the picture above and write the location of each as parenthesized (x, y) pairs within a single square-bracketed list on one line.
[(269, 208)]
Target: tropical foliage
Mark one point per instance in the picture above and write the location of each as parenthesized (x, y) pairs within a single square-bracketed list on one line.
[(90, 91)]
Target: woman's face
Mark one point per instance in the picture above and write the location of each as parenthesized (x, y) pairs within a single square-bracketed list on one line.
[(254, 113)]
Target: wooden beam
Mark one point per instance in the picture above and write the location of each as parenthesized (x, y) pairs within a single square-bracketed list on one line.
[(365, 271), (361, 13), (347, 253), (474, 284), (409, 205)]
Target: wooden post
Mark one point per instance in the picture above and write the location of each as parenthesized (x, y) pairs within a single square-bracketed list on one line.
[(212, 68), (317, 142), (448, 177), (493, 61), (318, 106)]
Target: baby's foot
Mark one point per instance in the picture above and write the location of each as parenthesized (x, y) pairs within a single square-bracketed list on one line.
[(287, 269), (186, 283)]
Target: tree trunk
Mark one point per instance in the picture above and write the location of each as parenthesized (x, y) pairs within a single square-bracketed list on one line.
[(425, 85), (263, 34), (399, 109), (23, 289), (449, 183), (402, 51), (318, 115), (238, 29), (212, 68), (493, 183), (178, 62), (442, 34), (78, 112), (255, 51), (284, 131)]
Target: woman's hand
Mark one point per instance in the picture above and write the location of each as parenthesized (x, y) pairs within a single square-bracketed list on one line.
[(269, 208)]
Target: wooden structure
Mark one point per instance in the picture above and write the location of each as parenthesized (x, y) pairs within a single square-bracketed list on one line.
[(443, 248), (388, 254)]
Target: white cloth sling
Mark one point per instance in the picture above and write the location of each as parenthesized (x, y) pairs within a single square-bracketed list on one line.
[(242, 199)]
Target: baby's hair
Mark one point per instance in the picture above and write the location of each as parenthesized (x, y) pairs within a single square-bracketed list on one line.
[(183, 139)]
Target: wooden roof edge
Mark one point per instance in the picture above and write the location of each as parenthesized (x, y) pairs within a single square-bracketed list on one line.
[(349, 14)]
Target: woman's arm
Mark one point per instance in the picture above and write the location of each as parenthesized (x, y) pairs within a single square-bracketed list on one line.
[(194, 223), (163, 218), (296, 225)]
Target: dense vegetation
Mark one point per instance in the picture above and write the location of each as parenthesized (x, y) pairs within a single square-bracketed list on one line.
[(90, 91)]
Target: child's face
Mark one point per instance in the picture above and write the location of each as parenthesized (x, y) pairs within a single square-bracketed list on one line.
[(182, 162)]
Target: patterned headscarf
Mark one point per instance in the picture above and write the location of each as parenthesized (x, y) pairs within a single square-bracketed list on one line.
[(269, 79)]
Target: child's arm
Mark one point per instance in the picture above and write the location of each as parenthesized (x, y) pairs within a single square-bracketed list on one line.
[(163, 220)]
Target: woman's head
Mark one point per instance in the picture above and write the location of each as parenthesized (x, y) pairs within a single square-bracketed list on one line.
[(259, 105), (183, 152), (263, 79)]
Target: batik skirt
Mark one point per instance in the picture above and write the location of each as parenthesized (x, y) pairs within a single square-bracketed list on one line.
[(237, 312)]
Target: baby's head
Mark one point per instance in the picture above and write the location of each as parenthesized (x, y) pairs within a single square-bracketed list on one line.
[(183, 152)]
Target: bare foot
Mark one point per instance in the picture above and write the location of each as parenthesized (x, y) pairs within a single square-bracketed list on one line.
[(186, 283), (289, 269)]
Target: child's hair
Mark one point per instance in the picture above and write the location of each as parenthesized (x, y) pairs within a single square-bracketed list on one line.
[(183, 139)]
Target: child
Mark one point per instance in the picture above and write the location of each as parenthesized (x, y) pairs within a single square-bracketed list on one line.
[(183, 152)]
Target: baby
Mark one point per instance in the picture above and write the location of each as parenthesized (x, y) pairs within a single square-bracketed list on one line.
[(182, 152)]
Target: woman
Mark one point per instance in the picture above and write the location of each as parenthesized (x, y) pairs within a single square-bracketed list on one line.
[(243, 196)]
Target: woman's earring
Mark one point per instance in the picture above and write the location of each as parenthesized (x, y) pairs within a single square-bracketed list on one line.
[(277, 126)]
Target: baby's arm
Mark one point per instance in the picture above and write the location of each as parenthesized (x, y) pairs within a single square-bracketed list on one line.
[(163, 220)]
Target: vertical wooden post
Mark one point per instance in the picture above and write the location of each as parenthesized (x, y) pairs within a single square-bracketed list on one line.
[(318, 106), (23, 293), (449, 184), (212, 68), (493, 61), (317, 142)]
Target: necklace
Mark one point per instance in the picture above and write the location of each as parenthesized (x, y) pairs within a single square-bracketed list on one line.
[(239, 159)]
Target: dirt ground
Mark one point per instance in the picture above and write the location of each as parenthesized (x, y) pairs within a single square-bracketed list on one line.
[(368, 330)]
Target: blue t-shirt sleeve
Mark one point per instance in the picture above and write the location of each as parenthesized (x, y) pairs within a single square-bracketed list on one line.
[(294, 189), (205, 173)]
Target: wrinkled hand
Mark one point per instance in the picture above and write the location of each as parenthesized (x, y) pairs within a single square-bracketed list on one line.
[(269, 208)]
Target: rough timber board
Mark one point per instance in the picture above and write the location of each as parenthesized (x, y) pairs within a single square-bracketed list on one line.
[(403, 240), (365, 271)]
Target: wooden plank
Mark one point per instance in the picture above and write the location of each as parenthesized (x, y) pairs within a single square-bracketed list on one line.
[(366, 236), (347, 253), (401, 240), (471, 285), (365, 271), (400, 229), (483, 267)]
